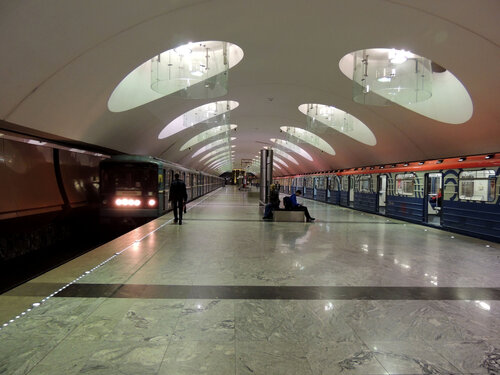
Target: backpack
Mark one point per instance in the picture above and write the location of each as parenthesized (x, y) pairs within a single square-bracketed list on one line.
[(287, 202)]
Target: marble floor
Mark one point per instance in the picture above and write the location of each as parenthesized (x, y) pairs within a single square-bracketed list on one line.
[(227, 293)]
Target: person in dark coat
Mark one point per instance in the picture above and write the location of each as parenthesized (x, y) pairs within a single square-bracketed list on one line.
[(274, 202), (178, 197)]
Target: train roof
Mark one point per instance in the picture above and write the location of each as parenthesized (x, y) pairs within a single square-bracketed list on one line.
[(475, 161), (150, 159)]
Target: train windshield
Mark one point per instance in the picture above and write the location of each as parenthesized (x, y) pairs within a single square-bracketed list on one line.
[(123, 177)]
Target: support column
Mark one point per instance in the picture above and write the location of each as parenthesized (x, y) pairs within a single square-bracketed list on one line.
[(266, 174)]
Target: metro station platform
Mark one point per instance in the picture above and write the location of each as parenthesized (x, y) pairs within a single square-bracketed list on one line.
[(227, 293)]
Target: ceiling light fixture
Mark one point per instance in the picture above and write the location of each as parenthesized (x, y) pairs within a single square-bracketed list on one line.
[(193, 71), (321, 118), (383, 76), (210, 114)]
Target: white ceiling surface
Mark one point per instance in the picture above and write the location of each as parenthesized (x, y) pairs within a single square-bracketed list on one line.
[(61, 60)]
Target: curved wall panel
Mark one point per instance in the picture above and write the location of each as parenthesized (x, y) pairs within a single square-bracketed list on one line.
[(80, 176), (28, 180)]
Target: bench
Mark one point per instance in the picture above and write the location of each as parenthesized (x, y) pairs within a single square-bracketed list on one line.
[(287, 215)]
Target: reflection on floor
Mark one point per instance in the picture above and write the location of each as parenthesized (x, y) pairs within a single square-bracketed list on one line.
[(227, 293)]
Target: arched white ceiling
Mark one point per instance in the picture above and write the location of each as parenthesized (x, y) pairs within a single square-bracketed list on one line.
[(58, 80)]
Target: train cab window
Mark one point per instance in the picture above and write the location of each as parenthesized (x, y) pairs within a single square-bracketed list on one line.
[(405, 184), (119, 177), (477, 185)]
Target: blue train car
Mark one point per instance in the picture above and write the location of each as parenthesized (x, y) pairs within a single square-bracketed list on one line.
[(333, 189), (455, 194)]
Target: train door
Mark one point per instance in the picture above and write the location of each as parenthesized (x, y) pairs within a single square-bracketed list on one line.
[(344, 191), (433, 198), (315, 187), (329, 185), (337, 187), (170, 178), (351, 191), (165, 188), (382, 193)]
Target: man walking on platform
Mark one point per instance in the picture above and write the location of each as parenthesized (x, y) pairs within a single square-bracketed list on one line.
[(178, 197)]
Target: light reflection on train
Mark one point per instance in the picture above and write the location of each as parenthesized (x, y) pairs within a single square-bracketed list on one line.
[(456, 194), (135, 187)]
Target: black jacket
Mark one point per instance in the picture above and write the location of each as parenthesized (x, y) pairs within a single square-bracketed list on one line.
[(178, 191)]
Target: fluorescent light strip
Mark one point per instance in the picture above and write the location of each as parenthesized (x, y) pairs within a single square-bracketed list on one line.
[(292, 147), (217, 162), (218, 151), (198, 115), (212, 145), (280, 161), (216, 157), (207, 134), (285, 155), (310, 138)]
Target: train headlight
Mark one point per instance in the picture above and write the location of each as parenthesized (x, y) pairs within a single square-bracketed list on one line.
[(128, 202), (151, 202)]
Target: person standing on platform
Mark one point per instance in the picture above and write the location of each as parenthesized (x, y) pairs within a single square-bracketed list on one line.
[(178, 197), (299, 207)]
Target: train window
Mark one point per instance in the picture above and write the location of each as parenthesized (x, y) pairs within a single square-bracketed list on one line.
[(309, 182), (321, 182), (405, 184), (477, 185), (336, 182), (345, 183), (364, 184)]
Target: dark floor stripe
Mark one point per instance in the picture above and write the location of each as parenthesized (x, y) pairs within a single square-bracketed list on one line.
[(278, 292), (270, 221)]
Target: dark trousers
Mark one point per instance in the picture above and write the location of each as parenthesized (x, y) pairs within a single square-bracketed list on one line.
[(178, 207), (270, 207), (302, 208)]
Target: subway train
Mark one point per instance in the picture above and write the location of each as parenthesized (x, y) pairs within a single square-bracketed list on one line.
[(50, 190), (136, 188), (455, 194)]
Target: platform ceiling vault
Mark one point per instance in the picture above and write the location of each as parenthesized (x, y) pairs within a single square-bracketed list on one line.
[(61, 61)]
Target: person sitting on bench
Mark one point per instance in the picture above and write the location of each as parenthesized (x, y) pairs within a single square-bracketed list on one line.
[(298, 207), (274, 202)]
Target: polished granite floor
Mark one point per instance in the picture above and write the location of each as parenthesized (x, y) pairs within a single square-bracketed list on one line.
[(227, 293)]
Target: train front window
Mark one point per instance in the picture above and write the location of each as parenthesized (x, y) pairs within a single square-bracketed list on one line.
[(128, 177)]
